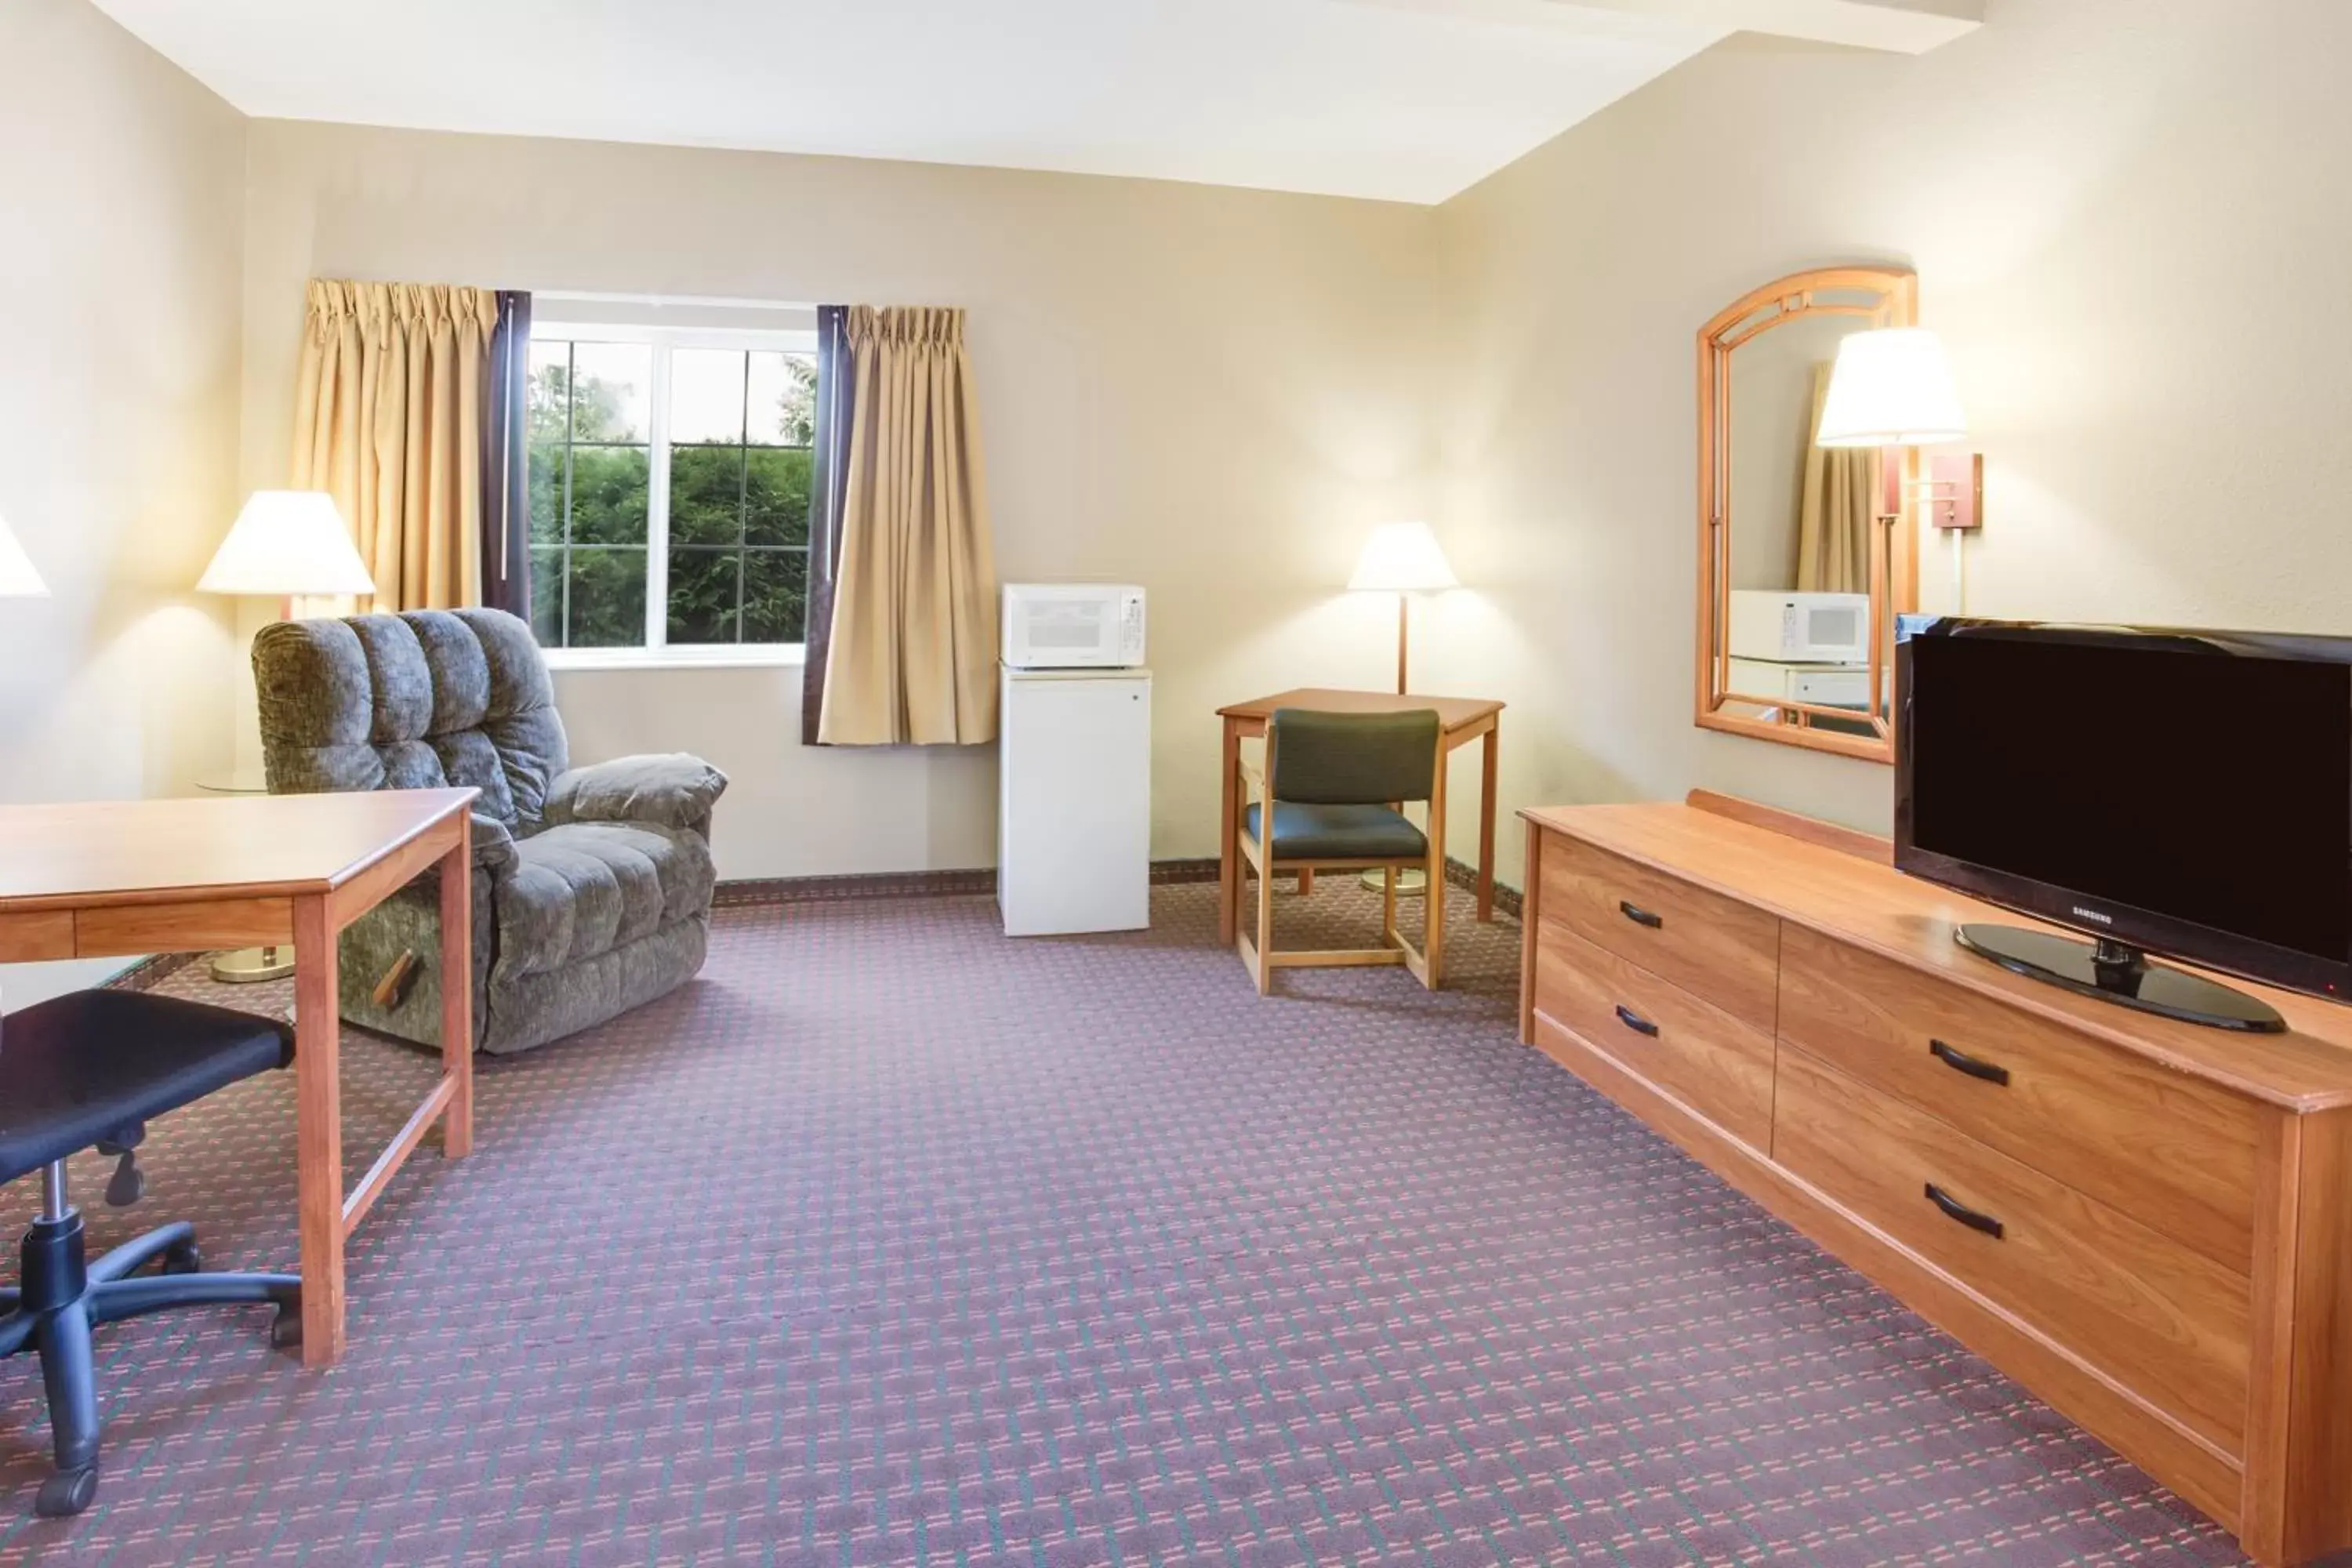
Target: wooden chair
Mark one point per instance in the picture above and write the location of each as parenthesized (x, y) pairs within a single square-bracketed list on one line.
[(1332, 784)]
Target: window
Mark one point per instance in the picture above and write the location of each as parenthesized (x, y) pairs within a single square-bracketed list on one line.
[(669, 490)]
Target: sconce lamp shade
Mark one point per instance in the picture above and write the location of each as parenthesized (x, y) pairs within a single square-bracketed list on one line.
[(285, 543), (1402, 558), (18, 578), (1891, 388)]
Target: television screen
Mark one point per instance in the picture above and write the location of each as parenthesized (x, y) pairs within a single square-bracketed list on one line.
[(2154, 772)]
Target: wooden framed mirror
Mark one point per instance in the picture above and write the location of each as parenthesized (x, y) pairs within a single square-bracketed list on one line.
[(1805, 554)]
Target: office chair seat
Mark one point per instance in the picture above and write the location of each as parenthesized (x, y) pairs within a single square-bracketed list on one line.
[(79, 1068), (89, 1069)]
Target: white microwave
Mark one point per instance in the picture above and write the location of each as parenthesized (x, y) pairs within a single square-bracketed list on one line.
[(1799, 628), (1073, 625)]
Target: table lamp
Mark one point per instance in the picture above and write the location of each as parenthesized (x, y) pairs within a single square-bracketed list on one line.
[(18, 578), (1894, 389), (1403, 559), (285, 545)]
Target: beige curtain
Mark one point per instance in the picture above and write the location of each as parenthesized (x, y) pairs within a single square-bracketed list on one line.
[(388, 419), (913, 653), (1836, 509)]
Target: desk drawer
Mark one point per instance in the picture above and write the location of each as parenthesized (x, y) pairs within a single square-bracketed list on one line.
[(2171, 1152), (2155, 1315), (1723, 953), (1697, 1052)]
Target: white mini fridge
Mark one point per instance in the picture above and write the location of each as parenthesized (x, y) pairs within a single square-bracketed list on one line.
[(1073, 801)]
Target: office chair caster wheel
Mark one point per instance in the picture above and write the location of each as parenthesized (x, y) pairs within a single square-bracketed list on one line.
[(285, 1328), (184, 1259), (67, 1493)]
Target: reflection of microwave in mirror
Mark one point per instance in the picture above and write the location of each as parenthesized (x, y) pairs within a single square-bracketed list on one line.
[(1799, 627)]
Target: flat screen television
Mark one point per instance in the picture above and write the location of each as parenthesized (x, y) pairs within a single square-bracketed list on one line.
[(2188, 793)]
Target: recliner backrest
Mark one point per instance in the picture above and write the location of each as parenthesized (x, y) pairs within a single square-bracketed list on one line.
[(415, 700)]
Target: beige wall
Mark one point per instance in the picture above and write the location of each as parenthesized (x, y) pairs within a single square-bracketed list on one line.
[(1213, 392), (120, 241), (2128, 220), (2123, 213)]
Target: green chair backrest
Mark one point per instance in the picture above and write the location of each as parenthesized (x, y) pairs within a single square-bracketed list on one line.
[(1317, 758)]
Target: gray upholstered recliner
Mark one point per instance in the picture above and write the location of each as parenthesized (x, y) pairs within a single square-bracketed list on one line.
[(591, 886)]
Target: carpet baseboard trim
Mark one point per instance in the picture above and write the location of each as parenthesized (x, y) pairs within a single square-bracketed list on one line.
[(752, 892)]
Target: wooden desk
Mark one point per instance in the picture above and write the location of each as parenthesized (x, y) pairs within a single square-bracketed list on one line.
[(1460, 719), (121, 878)]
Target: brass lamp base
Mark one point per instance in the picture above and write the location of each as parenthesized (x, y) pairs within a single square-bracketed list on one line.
[(250, 967), (1409, 883)]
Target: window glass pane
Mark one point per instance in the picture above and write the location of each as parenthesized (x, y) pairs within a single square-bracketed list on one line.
[(703, 588), (608, 597), (705, 394), (706, 495), (611, 386), (551, 388), (775, 596), (776, 495), (546, 494), (608, 495), (783, 399), (547, 597)]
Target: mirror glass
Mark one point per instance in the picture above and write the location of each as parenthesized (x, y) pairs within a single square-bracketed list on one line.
[(1801, 575)]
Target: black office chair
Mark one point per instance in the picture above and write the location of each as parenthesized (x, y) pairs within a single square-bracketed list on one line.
[(87, 1070)]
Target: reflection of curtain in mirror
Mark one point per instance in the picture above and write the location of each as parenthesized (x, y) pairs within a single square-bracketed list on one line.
[(1835, 509)]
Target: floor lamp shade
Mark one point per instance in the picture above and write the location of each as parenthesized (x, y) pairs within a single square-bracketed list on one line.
[(1402, 558), (18, 578), (288, 543)]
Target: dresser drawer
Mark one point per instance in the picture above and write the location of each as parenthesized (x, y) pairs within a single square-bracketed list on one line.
[(2155, 1315), (2162, 1147), (1692, 1050), (1722, 952)]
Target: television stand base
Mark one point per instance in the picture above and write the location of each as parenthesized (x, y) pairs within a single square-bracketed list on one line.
[(2115, 973)]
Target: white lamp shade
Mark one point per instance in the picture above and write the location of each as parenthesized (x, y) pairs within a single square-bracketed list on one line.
[(288, 542), (1402, 558), (18, 578), (1891, 388)]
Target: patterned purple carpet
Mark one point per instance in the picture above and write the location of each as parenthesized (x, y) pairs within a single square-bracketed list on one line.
[(890, 1241)]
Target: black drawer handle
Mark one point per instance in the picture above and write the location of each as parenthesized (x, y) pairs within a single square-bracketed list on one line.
[(1960, 1061), (1635, 1022), (1961, 1212), (1639, 916)]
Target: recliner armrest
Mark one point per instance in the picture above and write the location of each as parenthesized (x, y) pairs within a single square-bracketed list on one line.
[(667, 790), (494, 846)]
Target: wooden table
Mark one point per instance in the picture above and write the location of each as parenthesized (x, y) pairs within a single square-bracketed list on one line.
[(1461, 719), (118, 879)]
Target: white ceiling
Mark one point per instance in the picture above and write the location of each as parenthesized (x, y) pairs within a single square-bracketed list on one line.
[(1406, 99)]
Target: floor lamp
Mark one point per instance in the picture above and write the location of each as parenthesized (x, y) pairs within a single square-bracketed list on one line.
[(285, 545), (1403, 559)]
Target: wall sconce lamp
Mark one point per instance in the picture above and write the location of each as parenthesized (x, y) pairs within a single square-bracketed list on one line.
[(1893, 388)]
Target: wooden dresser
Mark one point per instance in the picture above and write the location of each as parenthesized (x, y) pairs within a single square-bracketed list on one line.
[(2148, 1222)]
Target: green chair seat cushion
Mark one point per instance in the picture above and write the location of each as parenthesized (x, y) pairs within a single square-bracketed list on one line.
[(1304, 832)]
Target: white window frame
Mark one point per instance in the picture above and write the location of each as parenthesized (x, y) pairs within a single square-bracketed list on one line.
[(658, 653)]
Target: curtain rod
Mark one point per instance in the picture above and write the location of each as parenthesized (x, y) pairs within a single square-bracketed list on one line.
[(696, 301)]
